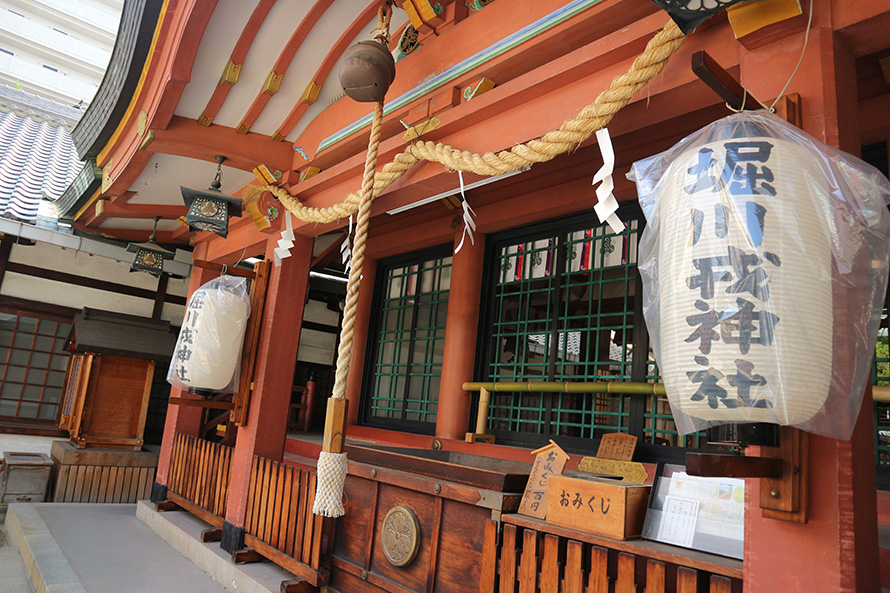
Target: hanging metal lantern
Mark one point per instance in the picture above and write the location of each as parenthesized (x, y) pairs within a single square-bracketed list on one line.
[(763, 261), (210, 210), (689, 14), (149, 256), (367, 71)]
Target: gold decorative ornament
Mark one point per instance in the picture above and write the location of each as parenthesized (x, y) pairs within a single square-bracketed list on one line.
[(400, 536), (208, 208)]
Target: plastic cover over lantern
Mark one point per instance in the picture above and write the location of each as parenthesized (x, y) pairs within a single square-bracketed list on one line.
[(764, 265), (208, 351)]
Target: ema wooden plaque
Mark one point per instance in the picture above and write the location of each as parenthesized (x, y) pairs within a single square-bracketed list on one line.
[(618, 446), (550, 460)]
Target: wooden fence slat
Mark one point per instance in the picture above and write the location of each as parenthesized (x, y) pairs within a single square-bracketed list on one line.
[(280, 508), (599, 570), (174, 464), (293, 514), (69, 484), (222, 483), (550, 565), (489, 557), (284, 507), (189, 486), (264, 499), (87, 484), (78, 482), (654, 576), (144, 476), (250, 521), (224, 499), (209, 463), (318, 533), (301, 518), (270, 503), (528, 564), (310, 520), (574, 574), (176, 482), (204, 480), (626, 578), (720, 584), (508, 560), (94, 487), (106, 490), (687, 580)]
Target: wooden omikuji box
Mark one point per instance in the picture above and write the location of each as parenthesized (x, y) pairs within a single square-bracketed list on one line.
[(602, 507)]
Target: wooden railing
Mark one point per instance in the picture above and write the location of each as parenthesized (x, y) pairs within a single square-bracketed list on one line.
[(533, 557), (280, 524), (199, 477)]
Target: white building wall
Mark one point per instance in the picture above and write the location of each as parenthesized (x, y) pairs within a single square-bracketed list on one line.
[(52, 257), (58, 49)]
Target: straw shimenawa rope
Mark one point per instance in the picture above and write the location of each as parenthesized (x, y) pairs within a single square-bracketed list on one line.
[(332, 464), (569, 135)]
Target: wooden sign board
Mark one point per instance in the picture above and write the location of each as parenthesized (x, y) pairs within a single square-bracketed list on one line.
[(550, 460), (627, 471), (617, 445), (601, 507)]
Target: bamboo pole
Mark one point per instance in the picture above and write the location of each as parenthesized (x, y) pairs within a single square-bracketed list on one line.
[(618, 387)]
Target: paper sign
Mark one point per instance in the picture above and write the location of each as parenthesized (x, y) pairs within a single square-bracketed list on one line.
[(678, 521), (549, 460), (617, 445)]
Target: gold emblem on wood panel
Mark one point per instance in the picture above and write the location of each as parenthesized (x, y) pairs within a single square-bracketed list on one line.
[(400, 535)]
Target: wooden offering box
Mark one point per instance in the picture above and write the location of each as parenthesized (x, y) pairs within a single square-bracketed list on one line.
[(109, 377), (415, 519), (602, 507)]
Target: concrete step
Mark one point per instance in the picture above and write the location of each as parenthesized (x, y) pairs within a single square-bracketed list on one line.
[(104, 548)]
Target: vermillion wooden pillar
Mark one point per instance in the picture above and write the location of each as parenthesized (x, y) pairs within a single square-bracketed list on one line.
[(184, 419), (363, 315), (460, 340), (266, 429), (837, 549)]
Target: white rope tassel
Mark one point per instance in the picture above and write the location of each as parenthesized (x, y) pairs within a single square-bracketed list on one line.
[(469, 223), (606, 204), (329, 484)]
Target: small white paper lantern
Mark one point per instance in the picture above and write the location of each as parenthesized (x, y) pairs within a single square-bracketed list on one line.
[(760, 250), (208, 351)]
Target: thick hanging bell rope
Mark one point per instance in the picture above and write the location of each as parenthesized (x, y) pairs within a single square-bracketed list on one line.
[(331, 476), (332, 464), (570, 134)]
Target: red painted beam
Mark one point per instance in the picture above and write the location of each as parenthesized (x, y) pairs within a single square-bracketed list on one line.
[(284, 60), (112, 209), (248, 34), (186, 137), (328, 64)]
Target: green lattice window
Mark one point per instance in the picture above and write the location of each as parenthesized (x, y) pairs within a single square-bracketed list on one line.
[(881, 376), (565, 307), (409, 332)]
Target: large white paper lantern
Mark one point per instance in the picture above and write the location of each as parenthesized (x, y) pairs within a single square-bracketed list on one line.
[(764, 258), (208, 351)]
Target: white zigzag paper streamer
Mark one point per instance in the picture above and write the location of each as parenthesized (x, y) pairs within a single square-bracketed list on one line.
[(469, 223), (286, 242), (346, 248), (606, 204)]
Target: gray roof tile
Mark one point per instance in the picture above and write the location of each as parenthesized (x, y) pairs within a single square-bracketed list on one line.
[(37, 160)]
